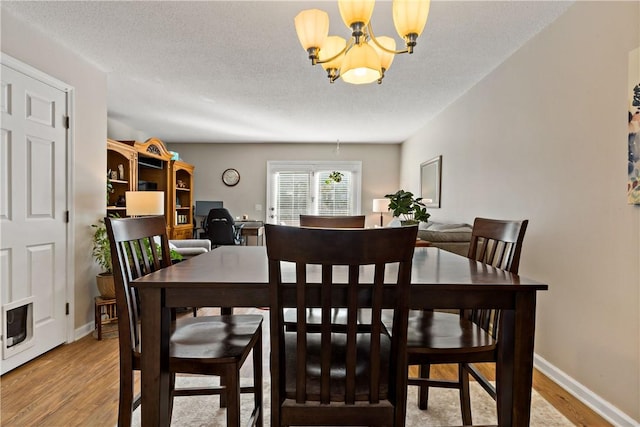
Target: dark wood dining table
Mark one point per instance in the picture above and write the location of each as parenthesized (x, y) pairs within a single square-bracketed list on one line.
[(237, 276)]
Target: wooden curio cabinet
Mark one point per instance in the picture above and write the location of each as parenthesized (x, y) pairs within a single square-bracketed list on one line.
[(182, 196), (147, 166), (121, 175), (153, 168)]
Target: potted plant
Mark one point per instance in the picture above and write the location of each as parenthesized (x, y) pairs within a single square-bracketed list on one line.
[(334, 176), (409, 209), (110, 189), (101, 252)]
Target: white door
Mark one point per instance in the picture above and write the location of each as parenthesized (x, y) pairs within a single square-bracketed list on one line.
[(33, 217)]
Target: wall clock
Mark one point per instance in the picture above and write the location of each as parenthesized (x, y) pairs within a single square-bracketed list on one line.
[(230, 177)]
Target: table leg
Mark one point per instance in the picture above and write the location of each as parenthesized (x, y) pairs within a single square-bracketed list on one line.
[(155, 376), (514, 368)]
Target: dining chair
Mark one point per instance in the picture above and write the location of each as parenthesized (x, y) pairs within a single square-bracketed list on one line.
[(436, 337), (332, 221), (352, 377), (325, 221), (205, 345)]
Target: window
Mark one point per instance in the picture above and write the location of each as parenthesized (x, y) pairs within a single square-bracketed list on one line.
[(296, 188)]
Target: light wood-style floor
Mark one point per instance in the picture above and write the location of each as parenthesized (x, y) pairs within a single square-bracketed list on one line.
[(77, 385)]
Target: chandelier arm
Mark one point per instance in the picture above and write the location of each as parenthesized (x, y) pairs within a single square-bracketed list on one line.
[(373, 37), (332, 58), (346, 48)]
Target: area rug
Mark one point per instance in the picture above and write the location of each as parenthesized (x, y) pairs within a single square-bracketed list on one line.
[(444, 406)]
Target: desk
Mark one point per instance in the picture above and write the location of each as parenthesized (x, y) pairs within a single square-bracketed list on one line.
[(253, 234), (237, 276)]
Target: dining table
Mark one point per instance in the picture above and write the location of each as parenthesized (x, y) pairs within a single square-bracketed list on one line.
[(237, 276)]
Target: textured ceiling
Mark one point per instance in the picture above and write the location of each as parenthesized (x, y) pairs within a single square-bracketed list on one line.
[(216, 71)]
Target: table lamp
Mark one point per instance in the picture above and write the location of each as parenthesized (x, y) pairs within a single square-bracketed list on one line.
[(141, 203), (380, 205)]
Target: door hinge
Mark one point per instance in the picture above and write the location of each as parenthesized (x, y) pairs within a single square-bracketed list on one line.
[(66, 309), (65, 122), (66, 217)]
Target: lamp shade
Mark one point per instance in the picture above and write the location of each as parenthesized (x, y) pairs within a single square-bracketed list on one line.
[(312, 26), (386, 58), (361, 65), (140, 203), (380, 205), (353, 11), (410, 16), (332, 46)]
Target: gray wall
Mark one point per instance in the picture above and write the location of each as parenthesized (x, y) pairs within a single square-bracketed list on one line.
[(380, 171), (544, 137)]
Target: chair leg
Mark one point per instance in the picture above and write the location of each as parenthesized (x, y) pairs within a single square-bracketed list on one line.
[(232, 392), (223, 394), (465, 397), (125, 405), (423, 391), (257, 380), (172, 387)]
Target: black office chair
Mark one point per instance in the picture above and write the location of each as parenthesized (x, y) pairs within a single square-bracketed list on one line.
[(221, 229)]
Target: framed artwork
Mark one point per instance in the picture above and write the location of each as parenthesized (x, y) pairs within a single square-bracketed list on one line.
[(430, 176), (633, 165)]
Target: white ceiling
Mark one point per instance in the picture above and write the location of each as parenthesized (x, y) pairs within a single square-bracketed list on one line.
[(234, 71)]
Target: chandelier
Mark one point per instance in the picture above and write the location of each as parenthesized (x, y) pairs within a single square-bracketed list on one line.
[(364, 58)]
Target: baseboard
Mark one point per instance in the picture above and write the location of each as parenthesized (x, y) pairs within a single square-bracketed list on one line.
[(84, 330), (605, 409)]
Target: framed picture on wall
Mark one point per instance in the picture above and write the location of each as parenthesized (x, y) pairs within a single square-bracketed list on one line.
[(430, 176)]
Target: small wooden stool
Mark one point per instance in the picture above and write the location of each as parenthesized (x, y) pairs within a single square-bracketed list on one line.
[(105, 313)]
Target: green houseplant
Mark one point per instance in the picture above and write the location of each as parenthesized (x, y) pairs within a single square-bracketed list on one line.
[(110, 189), (101, 252), (334, 176), (408, 208)]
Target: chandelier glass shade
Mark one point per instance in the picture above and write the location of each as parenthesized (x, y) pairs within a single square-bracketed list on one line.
[(361, 65), (363, 58)]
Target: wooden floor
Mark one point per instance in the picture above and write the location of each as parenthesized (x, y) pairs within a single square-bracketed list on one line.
[(77, 385)]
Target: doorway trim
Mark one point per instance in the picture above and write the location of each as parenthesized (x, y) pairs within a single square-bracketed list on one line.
[(69, 90)]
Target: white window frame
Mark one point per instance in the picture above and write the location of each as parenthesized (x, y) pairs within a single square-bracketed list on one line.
[(274, 166)]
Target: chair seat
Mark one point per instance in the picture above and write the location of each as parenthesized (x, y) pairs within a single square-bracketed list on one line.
[(212, 340), (434, 332), (338, 363)]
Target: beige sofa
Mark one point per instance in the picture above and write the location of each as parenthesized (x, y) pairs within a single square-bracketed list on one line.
[(450, 237), (190, 247)]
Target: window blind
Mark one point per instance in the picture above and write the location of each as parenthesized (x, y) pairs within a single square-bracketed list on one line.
[(292, 196)]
